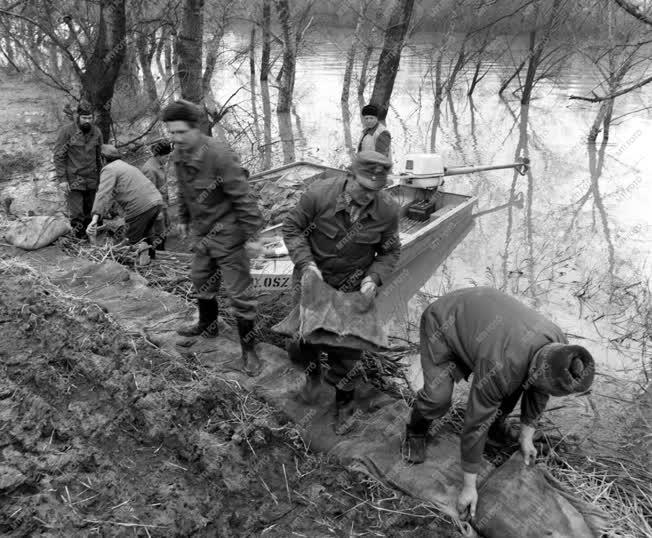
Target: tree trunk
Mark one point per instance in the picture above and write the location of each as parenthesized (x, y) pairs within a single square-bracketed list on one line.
[(287, 136), (146, 49), (346, 122), (350, 59), (288, 68), (390, 56), (167, 53), (103, 66), (537, 51), (252, 82), (189, 51), (160, 46), (362, 83), (211, 60), (264, 84), (439, 97)]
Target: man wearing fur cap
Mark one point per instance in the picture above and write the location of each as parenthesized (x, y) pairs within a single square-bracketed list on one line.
[(375, 136), (77, 165), (513, 352), (216, 207)]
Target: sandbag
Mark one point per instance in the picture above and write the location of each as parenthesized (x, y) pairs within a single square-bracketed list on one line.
[(519, 501), (32, 233), (327, 316)]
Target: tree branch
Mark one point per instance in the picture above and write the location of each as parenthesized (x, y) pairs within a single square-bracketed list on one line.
[(51, 35), (598, 98), (635, 12)]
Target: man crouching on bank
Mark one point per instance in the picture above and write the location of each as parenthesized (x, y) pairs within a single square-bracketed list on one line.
[(513, 352)]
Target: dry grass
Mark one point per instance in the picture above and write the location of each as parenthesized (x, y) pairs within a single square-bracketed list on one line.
[(617, 485)]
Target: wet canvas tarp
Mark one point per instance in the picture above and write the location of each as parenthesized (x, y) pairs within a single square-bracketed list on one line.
[(325, 315), (509, 496)]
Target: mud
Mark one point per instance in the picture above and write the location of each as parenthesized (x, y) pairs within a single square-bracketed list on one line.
[(101, 434)]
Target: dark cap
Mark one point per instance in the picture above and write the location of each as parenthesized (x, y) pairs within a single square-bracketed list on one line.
[(370, 110), (160, 146), (84, 108), (110, 151), (371, 169), (182, 110)]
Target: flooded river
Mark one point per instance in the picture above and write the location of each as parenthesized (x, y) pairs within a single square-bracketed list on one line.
[(572, 238)]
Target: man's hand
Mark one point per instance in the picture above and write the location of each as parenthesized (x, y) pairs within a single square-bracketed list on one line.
[(527, 445), (313, 267), (182, 230), (91, 229), (468, 498), (368, 287), (254, 248)]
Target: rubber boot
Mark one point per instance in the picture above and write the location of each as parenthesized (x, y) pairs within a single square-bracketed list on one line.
[(416, 432), (345, 411), (207, 327), (250, 361)]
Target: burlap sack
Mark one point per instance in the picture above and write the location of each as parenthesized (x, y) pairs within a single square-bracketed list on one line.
[(32, 233)]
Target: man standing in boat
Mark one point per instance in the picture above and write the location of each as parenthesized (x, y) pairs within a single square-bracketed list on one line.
[(513, 352), (215, 205), (345, 230), (375, 136)]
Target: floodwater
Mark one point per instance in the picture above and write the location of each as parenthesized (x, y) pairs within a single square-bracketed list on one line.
[(572, 238)]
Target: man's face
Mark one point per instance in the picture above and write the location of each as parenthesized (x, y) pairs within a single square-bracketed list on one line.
[(183, 135), (85, 121), (361, 195), (369, 121)]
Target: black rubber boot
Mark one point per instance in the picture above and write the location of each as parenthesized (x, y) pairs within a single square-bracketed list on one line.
[(207, 327), (416, 433), (345, 411), (250, 361), (502, 434)]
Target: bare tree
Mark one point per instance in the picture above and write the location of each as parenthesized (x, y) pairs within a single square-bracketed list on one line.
[(189, 50), (265, 67), (623, 55), (94, 56), (390, 56)]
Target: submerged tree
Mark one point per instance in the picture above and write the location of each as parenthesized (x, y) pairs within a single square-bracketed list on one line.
[(619, 63), (390, 56)]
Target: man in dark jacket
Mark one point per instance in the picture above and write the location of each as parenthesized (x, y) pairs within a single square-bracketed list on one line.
[(214, 201), (345, 229), (155, 168), (512, 351), (77, 163), (134, 193), (375, 136)]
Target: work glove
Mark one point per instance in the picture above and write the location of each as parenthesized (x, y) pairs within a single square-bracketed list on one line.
[(313, 267)]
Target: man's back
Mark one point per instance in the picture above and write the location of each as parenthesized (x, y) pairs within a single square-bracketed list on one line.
[(482, 323)]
